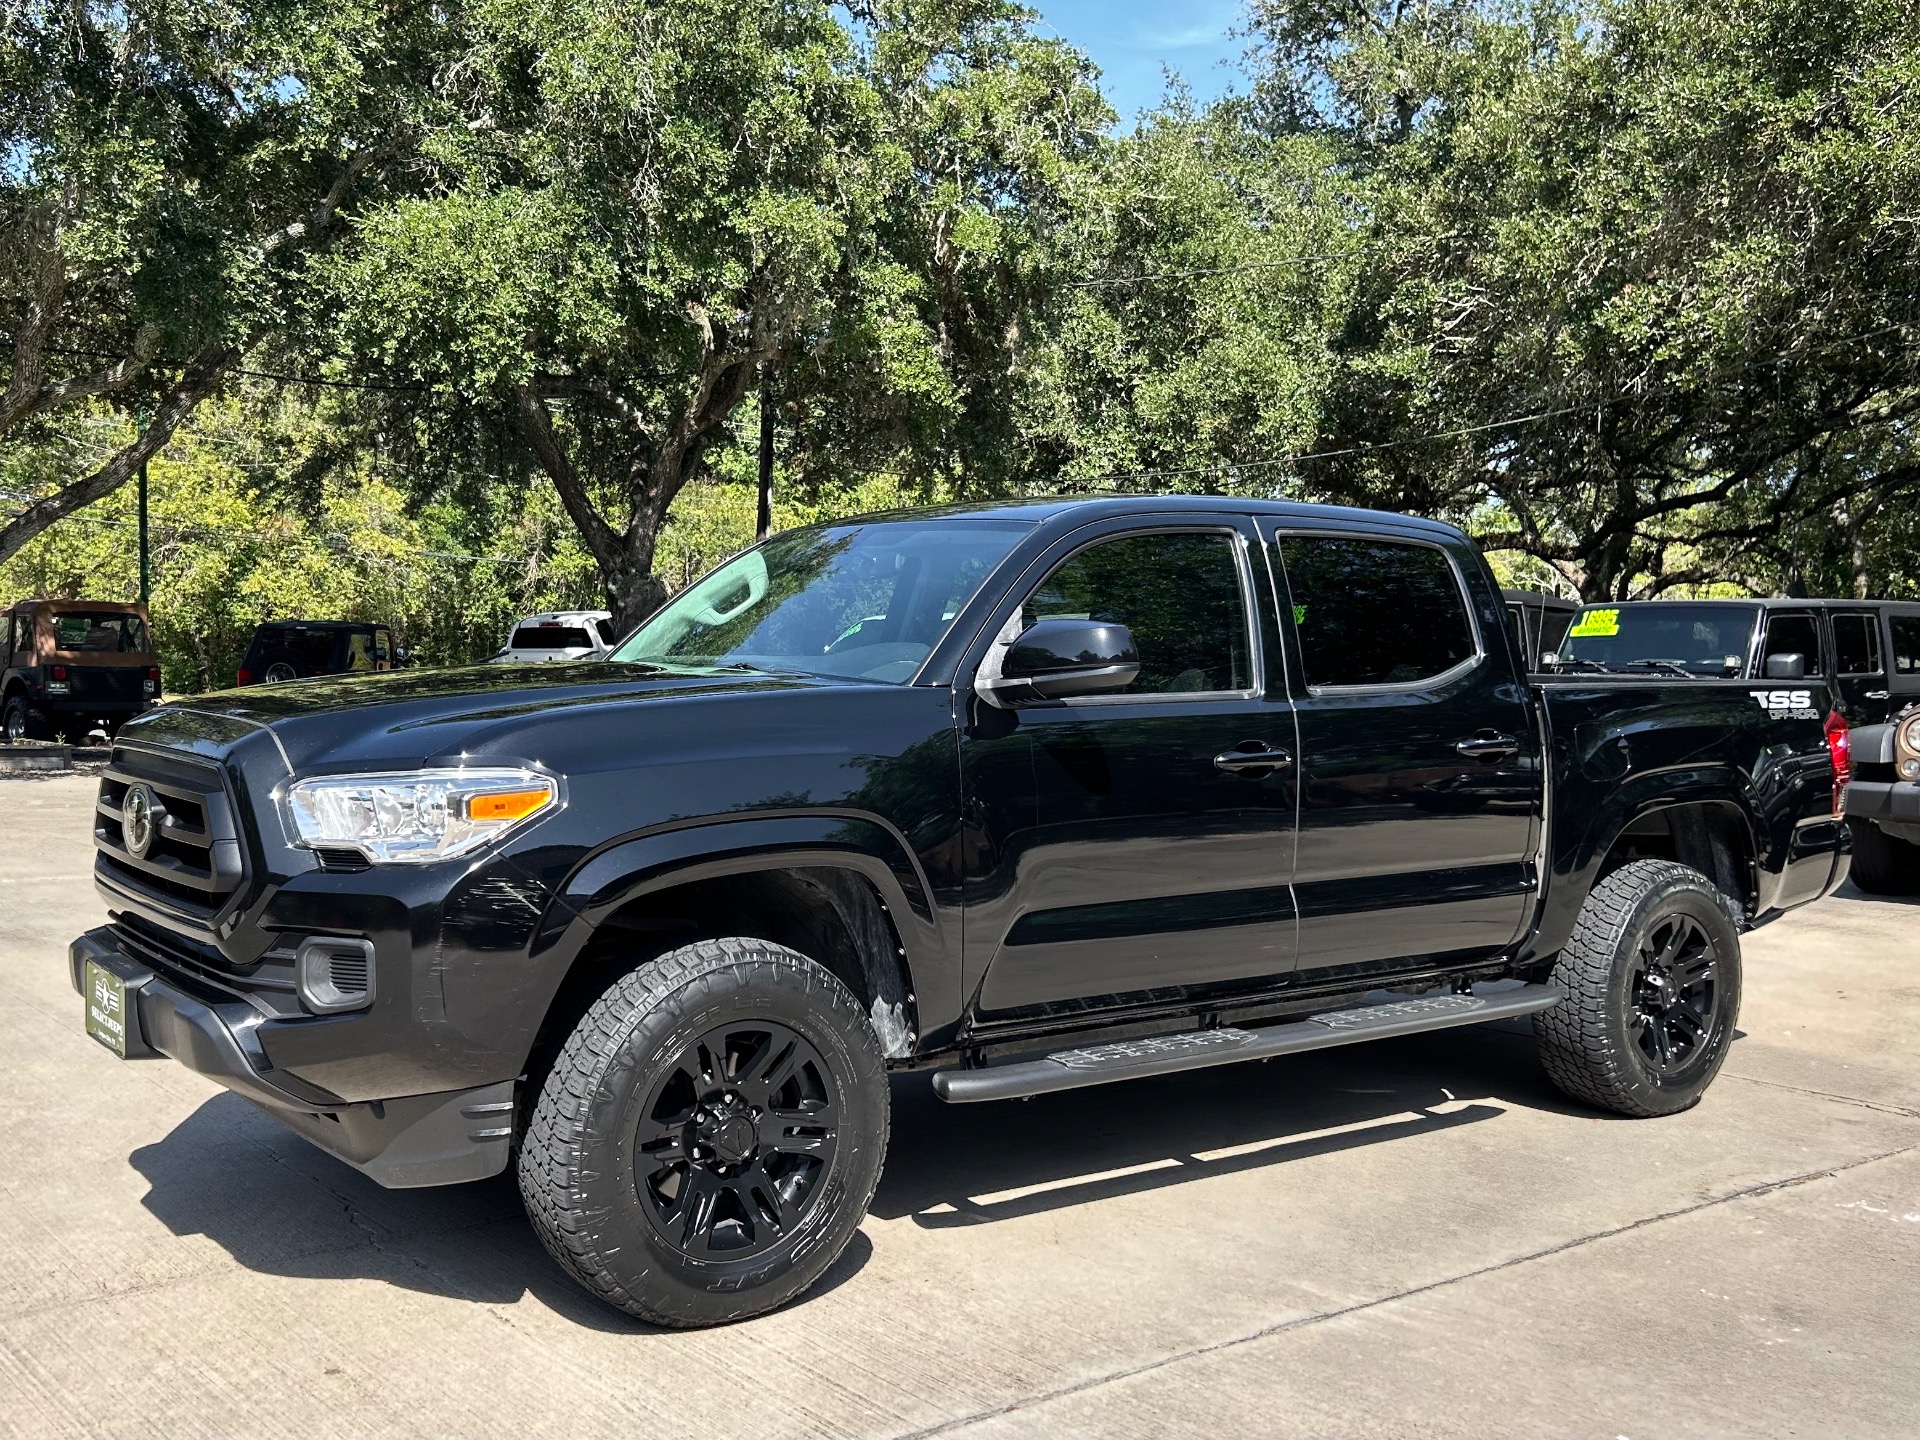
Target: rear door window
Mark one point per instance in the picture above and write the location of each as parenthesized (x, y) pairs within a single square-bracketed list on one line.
[(1856, 645), (1375, 612), (1795, 634), (1904, 631), (1178, 594)]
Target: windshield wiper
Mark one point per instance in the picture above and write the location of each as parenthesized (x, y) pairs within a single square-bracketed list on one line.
[(1582, 664), (1664, 667)]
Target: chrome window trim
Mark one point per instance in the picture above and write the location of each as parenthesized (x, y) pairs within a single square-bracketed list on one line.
[(1394, 687)]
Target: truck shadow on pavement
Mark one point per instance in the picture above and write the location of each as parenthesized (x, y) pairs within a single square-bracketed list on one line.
[(280, 1207), (975, 1164)]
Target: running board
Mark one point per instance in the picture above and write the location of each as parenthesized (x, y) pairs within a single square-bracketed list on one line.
[(1197, 1049)]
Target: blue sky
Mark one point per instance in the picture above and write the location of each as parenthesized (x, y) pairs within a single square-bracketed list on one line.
[(1130, 40)]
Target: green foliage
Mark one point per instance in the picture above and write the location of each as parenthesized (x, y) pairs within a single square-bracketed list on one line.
[(1626, 286), (635, 212), (228, 554)]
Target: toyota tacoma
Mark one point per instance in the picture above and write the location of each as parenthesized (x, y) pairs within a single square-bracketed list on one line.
[(1032, 797)]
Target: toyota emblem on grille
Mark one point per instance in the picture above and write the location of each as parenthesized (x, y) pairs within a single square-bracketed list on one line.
[(139, 813)]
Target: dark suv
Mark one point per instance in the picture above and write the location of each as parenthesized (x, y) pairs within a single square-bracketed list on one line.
[(305, 649), (1866, 651)]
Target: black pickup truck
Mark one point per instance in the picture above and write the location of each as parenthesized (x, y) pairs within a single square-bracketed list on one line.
[(1032, 797)]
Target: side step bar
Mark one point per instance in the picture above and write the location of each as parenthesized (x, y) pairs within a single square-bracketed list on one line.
[(1197, 1049)]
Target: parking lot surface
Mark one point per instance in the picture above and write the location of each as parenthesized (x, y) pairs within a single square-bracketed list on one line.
[(1407, 1237)]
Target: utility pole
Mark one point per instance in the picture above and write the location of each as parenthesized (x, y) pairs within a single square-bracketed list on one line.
[(145, 571), (765, 520)]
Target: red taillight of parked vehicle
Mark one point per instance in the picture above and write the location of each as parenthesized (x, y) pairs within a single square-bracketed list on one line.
[(243, 677), (153, 673), (1840, 752)]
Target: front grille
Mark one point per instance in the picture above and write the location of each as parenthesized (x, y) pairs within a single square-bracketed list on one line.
[(195, 861)]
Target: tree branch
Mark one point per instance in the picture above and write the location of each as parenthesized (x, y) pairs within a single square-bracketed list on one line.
[(200, 378), (321, 216), (537, 426)]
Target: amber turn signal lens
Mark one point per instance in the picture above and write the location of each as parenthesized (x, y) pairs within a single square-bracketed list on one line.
[(507, 805)]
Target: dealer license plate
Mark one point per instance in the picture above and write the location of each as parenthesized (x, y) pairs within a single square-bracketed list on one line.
[(107, 1017)]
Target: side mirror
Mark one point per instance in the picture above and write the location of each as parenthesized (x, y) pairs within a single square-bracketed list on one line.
[(1061, 659), (1791, 666)]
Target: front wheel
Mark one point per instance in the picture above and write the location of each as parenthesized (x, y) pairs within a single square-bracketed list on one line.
[(707, 1142), (1652, 984)]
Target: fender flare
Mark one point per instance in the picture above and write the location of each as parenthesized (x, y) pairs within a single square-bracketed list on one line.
[(1572, 864), (636, 866), (1647, 794)]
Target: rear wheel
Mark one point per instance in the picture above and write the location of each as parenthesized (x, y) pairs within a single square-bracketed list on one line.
[(17, 722), (1882, 863), (1652, 982), (708, 1139)]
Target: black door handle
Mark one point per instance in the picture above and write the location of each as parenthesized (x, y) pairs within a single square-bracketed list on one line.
[(1487, 746), (1251, 755)]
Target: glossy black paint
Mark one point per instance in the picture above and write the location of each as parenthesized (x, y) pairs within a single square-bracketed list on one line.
[(1061, 863)]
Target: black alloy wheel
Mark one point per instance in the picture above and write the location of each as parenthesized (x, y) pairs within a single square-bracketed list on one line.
[(14, 722), (706, 1141), (1676, 1014), (1651, 979), (735, 1140)]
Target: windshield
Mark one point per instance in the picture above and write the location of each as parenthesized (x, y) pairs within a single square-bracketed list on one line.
[(1662, 634), (864, 601), (111, 633)]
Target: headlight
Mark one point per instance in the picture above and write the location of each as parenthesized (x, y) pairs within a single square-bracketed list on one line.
[(418, 815), (1909, 736)]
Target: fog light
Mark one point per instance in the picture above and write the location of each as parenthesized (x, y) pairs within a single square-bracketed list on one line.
[(1910, 768), (335, 973)]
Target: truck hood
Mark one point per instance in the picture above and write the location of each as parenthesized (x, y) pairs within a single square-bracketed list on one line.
[(407, 717)]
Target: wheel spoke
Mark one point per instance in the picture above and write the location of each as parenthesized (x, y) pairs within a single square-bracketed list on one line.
[(1676, 937), (770, 1206), (660, 1142), (773, 1068), (701, 1199), (818, 1129), (1694, 968)]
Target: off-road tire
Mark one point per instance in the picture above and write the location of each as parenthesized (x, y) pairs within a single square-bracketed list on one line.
[(1883, 864), (1587, 1042), (577, 1159)]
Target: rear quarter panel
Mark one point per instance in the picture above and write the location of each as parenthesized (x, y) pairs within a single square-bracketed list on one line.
[(1620, 748)]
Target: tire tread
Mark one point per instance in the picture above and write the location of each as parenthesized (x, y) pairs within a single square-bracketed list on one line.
[(550, 1150), (1575, 1039)]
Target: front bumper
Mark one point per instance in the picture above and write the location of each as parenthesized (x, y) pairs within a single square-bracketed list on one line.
[(414, 1140), (1895, 800)]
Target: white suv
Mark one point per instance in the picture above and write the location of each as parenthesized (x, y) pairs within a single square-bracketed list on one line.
[(559, 635)]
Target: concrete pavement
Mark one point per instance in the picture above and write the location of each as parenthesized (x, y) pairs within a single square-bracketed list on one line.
[(1417, 1236)]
